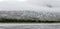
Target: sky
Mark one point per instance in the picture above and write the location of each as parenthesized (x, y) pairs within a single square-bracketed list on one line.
[(35, 5)]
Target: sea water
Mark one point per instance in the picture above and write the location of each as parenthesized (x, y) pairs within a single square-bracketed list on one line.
[(30, 27)]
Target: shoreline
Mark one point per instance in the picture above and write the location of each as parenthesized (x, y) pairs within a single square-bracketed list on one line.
[(28, 24)]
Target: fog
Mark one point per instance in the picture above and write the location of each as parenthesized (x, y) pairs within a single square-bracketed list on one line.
[(35, 5)]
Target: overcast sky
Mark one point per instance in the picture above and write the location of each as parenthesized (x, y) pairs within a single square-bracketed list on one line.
[(36, 5)]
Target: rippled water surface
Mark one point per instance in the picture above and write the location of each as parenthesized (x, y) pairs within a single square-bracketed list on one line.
[(30, 27)]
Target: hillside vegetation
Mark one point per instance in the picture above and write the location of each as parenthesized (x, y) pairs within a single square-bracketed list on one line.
[(28, 16)]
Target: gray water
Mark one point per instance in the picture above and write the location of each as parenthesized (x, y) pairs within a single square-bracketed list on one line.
[(30, 27)]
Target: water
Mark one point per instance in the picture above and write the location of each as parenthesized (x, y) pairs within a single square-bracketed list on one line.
[(32, 26)]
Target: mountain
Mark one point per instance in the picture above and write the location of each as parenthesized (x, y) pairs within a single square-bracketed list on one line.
[(42, 15)]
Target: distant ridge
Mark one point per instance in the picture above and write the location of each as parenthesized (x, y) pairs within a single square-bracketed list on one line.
[(30, 15)]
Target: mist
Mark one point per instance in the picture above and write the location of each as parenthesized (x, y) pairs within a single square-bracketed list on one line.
[(32, 5)]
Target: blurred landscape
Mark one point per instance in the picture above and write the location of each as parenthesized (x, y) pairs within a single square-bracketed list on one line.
[(29, 16), (36, 11), (14, 26)]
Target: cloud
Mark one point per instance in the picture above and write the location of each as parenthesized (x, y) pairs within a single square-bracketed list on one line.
[(36, 5)]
